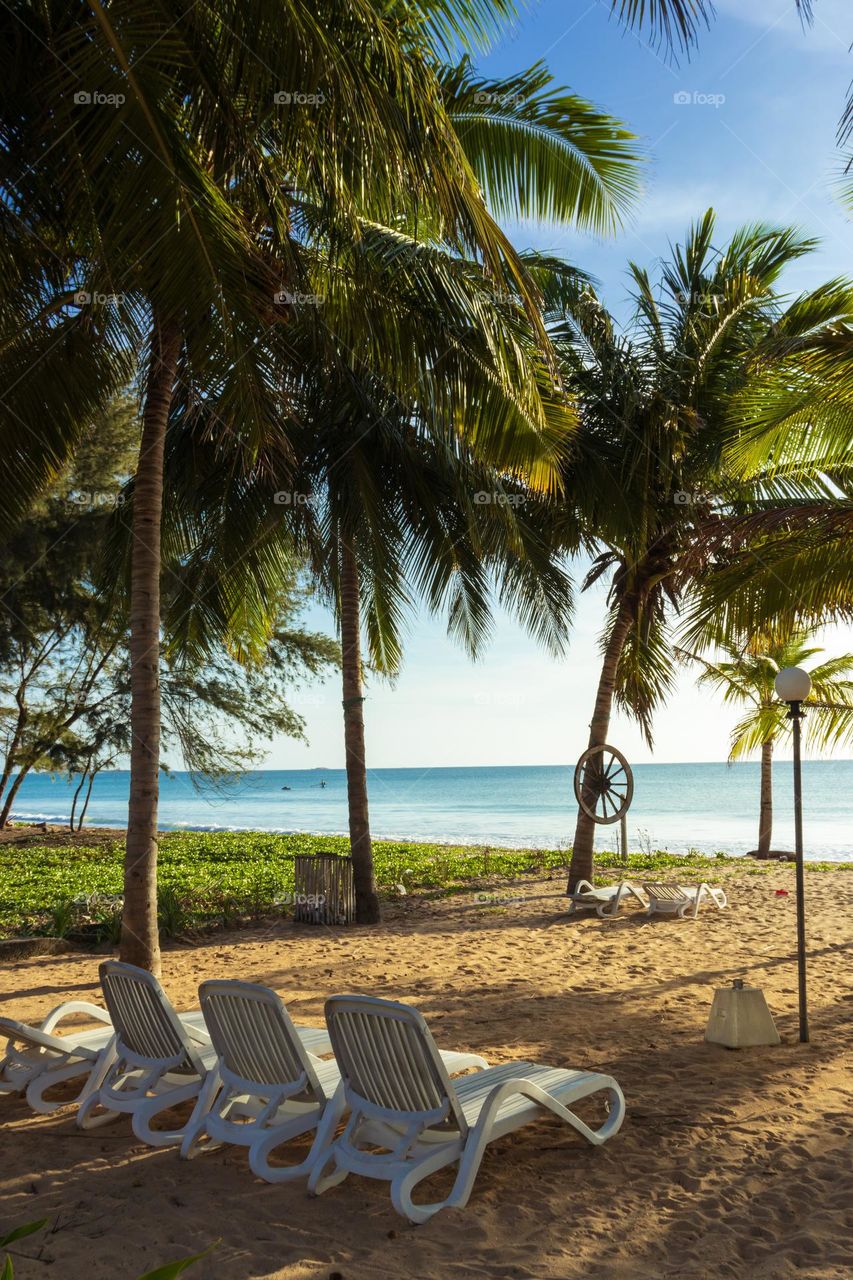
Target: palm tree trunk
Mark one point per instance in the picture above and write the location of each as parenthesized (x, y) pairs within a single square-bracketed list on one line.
[(140, 942), (765, 819), (584, 843), (366, 898)]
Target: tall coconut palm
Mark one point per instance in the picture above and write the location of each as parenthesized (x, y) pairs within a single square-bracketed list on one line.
[(650, 466), (169, 172), (383, 497), (745, 675), (580, 165)]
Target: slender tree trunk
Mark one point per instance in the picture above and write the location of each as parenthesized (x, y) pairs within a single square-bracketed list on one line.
[(80, 785), (140, 942), (87, 799), (584, 843), (9, 762), (23, 770), (765, 820), (366, 898)]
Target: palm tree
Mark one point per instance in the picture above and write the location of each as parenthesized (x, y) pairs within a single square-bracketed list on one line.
[(745, 676), (382, 501), (398, 303), (172, 187), (650, 467)]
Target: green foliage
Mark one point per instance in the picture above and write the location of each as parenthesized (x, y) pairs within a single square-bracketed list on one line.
[(223, 879), (167, 1272), (173, 1269), (651, 468)]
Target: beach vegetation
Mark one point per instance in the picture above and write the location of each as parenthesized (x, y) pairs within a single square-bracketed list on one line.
[(225, 880)]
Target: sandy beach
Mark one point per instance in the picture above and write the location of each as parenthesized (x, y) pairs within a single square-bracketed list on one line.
[(730, 1164)]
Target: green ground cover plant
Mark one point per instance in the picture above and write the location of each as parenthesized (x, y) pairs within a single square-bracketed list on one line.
[(225, 879)]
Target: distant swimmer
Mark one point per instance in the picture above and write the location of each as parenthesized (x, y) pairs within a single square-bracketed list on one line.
[(285, 788), (322, 784)]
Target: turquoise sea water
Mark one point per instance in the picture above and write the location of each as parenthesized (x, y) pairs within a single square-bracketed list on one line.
[(676, 806)]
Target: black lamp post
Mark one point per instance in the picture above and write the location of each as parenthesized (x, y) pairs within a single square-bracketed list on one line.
[(793, 685)]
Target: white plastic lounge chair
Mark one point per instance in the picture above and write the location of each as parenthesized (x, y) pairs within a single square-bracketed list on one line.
[(604, 901), (401, 1099), (271, 1088), (681, 899), (36, 1058), (160, 1059)]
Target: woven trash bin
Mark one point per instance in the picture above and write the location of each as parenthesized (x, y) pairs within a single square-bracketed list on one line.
[(324, 892)]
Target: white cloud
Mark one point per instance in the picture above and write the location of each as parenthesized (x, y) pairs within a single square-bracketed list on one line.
[(831, 31)]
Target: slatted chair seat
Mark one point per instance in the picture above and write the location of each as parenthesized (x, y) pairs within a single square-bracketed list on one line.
[(566, 1086), (682, 900), (605, 901), (408, 1119)]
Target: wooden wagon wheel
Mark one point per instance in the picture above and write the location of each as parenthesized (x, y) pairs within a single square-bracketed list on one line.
[(604, 784)]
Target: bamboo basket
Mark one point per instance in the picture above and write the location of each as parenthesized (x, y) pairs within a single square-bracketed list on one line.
[(324, 892)]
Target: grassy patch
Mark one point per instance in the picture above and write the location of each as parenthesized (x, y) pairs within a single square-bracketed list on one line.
[(223, 878)]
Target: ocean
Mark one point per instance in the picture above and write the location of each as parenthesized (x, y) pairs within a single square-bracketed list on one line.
[(707, 807)]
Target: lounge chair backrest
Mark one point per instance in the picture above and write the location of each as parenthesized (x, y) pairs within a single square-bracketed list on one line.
[(148, 1029), (255, 1038), (665, 892), (390, 1064), (21, 1033)]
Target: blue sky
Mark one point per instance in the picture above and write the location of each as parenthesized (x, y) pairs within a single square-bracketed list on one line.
[(766, 152)]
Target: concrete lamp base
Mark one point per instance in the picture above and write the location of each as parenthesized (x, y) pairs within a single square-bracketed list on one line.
[(740, 1018)]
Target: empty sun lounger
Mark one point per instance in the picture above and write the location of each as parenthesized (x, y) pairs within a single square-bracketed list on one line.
[(36, 1058), (160, 1060), (268, 1088), (604, 901), (271, 1089), (681, 899), (402, 1101)]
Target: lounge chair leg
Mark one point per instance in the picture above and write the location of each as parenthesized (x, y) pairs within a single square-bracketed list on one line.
[(89, 1118), (266, 1143), (196, 1139), (319, 1181), (145, 1113), (47, 1079)]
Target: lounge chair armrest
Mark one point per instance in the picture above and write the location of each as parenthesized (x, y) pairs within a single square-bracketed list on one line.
[(75, 1006), (200, 1035), (582, 886)]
